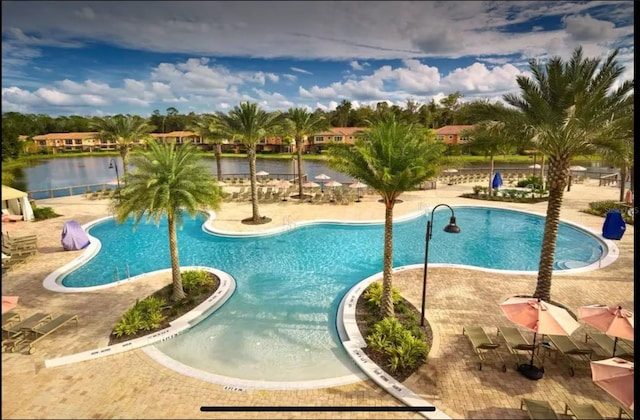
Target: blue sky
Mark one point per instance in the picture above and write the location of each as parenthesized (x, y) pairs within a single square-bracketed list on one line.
[(104, 58)]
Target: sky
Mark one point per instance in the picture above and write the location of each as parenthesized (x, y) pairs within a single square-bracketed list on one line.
[(104, 58)]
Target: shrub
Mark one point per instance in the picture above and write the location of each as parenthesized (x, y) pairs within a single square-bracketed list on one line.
[(193, 280), (401, 347), (477, 189), (145, 315), (43, 213), (373, 295), (601, 208), (534, 181)]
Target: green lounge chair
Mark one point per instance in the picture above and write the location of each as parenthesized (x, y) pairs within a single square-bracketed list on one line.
[(582, 411), (626, 411), (41, 331), (571, 352), (482, 344), (538, 409), (605, 344), (10, 318), (517, 344), (27, 324)]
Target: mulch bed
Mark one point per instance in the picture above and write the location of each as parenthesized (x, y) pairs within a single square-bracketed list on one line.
[(261, 221)]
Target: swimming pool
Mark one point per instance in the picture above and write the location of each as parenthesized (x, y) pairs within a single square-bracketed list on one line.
[(280, 324)]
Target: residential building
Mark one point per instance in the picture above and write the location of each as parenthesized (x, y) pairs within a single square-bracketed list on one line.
[(451, 134), (316, 142)]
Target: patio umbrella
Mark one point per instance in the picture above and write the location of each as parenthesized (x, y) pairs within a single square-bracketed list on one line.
[(540, 317), (615, 376), (322, 177), (497, 180), (310, 184), (9, 302), (536, 166), (611, 320), (358, 185), (577, 168), (262, 173), (333, 184)]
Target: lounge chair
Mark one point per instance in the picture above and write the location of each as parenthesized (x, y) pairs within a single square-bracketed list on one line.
[(10, 318), (605, 345), (538, 409), (516, 343), (582, 411), (27, 324), (626, 411), (482, 344), (570, 351), (39, 332)]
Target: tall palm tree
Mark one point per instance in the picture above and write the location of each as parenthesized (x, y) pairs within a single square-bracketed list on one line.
[(125, 131), (391, 157), (301, 123), (249, 123), (205, 126), (167, 181), (568, 109)]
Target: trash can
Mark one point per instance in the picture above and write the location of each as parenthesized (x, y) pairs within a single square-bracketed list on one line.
[(614, 225)]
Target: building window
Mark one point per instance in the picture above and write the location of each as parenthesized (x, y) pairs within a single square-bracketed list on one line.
[(319, 138), (450, 136), (78, 141), (68, 142), (439, 137), (42, 142), (337, 138), (464, 138)]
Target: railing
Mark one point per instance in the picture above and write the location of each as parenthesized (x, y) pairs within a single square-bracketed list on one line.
[(606, 180), (68, 191)]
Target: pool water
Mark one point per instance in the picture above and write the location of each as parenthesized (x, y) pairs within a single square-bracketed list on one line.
[(280, 324)]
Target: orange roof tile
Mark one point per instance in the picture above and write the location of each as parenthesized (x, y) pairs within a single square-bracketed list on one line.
[(452, 129), (66, 136)]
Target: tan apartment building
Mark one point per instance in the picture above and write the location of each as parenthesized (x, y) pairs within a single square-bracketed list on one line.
[(451, 134), (317, 142)]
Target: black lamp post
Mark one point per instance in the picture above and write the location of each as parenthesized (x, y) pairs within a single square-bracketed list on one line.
[(113, 165), (450, 228)]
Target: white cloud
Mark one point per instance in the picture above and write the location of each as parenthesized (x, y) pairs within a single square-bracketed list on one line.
[(355, 65)]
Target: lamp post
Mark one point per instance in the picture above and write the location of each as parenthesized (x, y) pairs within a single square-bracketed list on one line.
[(113, 165), (450, 228), (293, 161)]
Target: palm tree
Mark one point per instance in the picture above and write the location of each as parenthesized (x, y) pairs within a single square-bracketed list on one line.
[(125, 131), (250, 124), (300, 123), (167, 181), (391, 157), (205, 126), (568, 109)]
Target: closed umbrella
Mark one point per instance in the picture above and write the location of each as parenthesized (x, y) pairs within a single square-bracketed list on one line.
[(615, 376), (497, 181), (9, 302), (611, 320), (540, 317)]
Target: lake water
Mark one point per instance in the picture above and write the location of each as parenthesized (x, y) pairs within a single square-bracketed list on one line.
[(45, 174)]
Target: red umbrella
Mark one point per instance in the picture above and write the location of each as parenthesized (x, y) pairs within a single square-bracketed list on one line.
[(611, 320), (8, 303), (615, 376)]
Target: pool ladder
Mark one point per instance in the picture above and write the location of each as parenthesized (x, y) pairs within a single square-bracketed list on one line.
[(287, 222), (117, 273)]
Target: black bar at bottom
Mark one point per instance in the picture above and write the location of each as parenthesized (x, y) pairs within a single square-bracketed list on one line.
[(313, 408)]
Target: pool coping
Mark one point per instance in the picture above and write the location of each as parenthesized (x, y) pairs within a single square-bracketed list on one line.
[(179, 325), (353, 342)]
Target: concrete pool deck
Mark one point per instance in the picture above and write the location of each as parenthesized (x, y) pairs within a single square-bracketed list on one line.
[(132, 385)]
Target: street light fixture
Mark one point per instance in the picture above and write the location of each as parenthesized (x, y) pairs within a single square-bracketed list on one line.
[(450, 228), (114, 165)]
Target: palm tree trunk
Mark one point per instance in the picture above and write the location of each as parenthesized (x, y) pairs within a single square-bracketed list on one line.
[(558, 176), (386, 303), (542, 174), (623, 177), (299, 156), (251, 154), (125, 160), (217, 154), (178, 291)]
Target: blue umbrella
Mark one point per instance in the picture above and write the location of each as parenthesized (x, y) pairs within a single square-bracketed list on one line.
[(497, 180)]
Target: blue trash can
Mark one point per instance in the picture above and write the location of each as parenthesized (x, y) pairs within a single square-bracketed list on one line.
[(614, 225)]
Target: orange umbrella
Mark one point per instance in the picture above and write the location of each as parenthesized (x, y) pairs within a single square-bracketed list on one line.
[(539, 316), (611, 320), (8, 303), (615, 376)]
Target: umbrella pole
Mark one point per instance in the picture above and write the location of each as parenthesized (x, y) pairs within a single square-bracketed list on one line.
[(615, 341), (533, 350)]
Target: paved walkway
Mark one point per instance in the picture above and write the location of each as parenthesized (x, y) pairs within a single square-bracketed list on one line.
[(131, 385)]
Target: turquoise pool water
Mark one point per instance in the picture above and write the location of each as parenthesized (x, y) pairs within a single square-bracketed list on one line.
[(280, 323)]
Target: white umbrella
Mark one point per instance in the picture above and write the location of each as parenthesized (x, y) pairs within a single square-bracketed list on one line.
[(358, 185), (283, 184), (322, 177), (577, 168), (262, 173), (333, 184), (310, 184), (536, 166)]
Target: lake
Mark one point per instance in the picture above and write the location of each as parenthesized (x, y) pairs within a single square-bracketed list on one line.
[(45, 174)]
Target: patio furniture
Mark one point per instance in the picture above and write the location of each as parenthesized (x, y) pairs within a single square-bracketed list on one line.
[(14, 331), (517, 344), (482, 344), (582, 411), (571, 352), (538, 409), (10, 318), (625, 411), (605, 344), (39, 332)]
